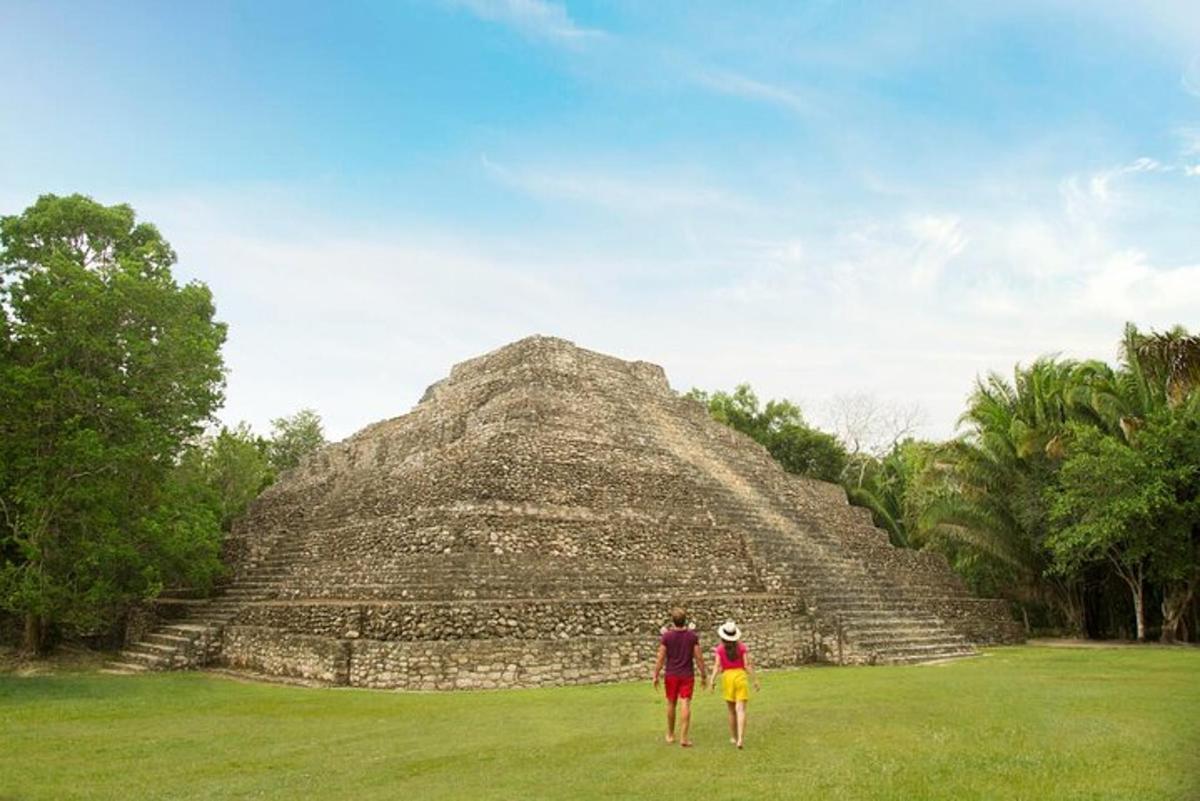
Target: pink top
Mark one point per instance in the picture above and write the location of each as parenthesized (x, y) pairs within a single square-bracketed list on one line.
[(731, 664)]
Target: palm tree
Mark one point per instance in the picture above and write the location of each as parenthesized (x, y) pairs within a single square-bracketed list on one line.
[(998, 468), (1171, 358)]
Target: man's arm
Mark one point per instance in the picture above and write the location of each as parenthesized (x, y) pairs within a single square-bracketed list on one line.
[(658, 662), (698, 658)]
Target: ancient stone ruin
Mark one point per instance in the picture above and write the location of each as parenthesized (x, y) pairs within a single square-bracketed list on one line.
[(530, 522)]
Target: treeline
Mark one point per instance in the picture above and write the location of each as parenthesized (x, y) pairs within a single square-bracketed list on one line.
[(1073, 490), (110, 374)]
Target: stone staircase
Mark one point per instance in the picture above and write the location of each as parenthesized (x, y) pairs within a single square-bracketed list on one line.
[(193, 638), (865, 617)]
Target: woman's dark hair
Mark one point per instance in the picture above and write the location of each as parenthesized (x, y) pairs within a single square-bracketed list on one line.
[(731, 651)]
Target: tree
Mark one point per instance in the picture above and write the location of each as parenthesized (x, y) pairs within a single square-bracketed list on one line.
[(897, 488), (998, 471), (1171, 445), (1106, 506), (869, 430), (109, 366), (232, 467), (1171, 357), (780, 428), (293, 438)]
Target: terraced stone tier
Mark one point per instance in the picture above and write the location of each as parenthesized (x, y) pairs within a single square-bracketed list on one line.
[(531, 520)]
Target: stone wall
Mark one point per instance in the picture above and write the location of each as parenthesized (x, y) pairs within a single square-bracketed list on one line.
[(445, 664)]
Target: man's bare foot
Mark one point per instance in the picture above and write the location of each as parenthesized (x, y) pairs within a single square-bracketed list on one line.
[(739, 745), (670, 739)]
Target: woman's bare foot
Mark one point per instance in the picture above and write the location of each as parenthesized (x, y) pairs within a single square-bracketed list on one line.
[(670, 739), (739, 745), (685, 743)]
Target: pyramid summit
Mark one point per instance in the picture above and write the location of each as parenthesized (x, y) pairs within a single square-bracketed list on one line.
[(530, 522)]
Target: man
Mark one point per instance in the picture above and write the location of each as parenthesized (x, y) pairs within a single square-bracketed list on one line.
[(679, 650)]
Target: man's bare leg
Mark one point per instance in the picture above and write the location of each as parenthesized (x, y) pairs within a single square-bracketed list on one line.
[(685, 721), (670, 721)]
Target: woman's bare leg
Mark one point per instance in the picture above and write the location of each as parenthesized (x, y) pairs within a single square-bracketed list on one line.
[(741, 722), (733, 726)]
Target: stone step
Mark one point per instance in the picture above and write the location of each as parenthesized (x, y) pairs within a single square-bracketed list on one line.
[(890, 644), (162, 638), (917, 659), (189, 631), (875, 632), (150, 661), (922, 650)]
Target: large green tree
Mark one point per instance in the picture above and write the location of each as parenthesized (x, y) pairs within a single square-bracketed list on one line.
[(108, 367), (780, 428), (1136, 507)]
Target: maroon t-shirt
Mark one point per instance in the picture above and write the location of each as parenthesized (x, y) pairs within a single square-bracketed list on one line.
[(681, 644)]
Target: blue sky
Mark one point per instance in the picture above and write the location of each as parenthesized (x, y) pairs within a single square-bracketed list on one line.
[(829, 200)]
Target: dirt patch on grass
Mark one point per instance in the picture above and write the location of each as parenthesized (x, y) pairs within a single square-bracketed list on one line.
[(64, 659)]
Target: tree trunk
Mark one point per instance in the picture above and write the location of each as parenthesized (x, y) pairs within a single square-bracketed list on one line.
[(1139, 609), (1068, 600), (1176, 600), (1135, 578), (34, 640)]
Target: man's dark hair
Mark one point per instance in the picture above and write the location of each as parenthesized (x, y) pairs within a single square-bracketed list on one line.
[(678, 616)]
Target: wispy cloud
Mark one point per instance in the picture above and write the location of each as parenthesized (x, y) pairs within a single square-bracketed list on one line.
[(1190, 79), (1100, 183), (637, 194), (537, 18), (735, 85)]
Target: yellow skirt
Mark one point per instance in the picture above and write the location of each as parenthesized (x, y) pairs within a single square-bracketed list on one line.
[(734, 685)]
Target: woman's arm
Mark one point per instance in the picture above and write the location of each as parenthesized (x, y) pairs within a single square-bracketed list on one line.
[(750, 672)]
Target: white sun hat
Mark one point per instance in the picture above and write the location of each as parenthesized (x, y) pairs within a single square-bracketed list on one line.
[(729, 632)]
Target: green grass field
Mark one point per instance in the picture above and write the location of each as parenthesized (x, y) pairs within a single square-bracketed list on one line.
[(1017, 723)]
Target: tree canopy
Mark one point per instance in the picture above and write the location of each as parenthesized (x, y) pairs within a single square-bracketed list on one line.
[(108, 367), (780, 428)]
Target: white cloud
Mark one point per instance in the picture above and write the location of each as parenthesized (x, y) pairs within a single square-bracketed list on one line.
[(638, 194), (1100, 184), (910, 303), (729, 83), (938, 240), (538, 18), (1127, 286)]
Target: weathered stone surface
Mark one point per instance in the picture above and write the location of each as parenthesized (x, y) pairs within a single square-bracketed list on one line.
[(531, 521)]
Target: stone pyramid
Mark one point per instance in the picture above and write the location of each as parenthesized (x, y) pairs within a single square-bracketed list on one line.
[(530, 522)]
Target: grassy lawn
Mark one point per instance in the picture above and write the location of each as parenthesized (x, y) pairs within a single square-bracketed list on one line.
[(1017, 723)]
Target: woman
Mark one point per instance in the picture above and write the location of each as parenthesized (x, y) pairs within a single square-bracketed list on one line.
[(733, 663)]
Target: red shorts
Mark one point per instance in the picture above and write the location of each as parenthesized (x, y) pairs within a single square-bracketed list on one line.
[(680, 687)]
